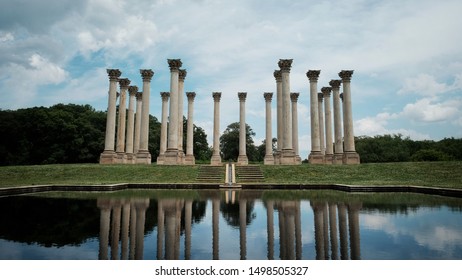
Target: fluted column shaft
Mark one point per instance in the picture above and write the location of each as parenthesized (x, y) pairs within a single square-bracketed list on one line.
[(347, 113), (132, 90), (190, 129), (294, 99), (321, 123), (315, 156), (269, 159), (328, 124), (285, 65), (163, 127), (242, 158), (181, 77), (335, 84), (174, 65), (124, 83), (143, 155), (136, 141), (216, 158), (277, 75)]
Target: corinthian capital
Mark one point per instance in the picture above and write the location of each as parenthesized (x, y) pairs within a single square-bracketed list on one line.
[(216, 96), (268, 96), (294, 96), (132, 90), (139, 95), (174, 64), (335, 84), (313, 75), (277, 75), (320, 96), (146, 74), (124, 83), (191, 95), (165, 95), (285, 64), (242, 96), (182, 74), (326, 91), (113, 74), (345, 75)]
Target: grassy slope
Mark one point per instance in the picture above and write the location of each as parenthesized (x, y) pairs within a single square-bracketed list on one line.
[(438, 174)]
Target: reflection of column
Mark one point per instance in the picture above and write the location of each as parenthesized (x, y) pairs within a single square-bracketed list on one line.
[(338, 139), (170, 227), (269, 159), (321, 123), (242, 227), (187, 229), (120, 149), (326, 231), (353, 222), (215, 226), (104, 224), (125, 228), (294, 99), (315, 156), (189, 159), (342, 223), (115, 234), (136, 141), (282, 234), (216, 157), (108, 155), (298, 231), (143, 155), (132, 90), (160, 229), (132, 231), (278, 77), (270, 228), (318, 209), (141, 207), (181, 77), (242, 158), (290, 230), (333, 230), (163, 127), (328, 125), (350, 155)]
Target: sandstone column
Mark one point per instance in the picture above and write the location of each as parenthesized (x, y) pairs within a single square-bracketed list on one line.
[(163, 128), (136, 141), (278, 77), (108, 155), (132, 90), (338, 150), (189, 159), (216, 157), (294, 99), (181, 77), (143, 156), (321, 123), (329, 155), (315, 156), (350, 155), (269, 159), (171, 155), (288, 155), (120, 148), (242, 158)]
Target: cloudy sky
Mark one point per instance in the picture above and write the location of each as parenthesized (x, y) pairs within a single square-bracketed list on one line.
[(406, 56)]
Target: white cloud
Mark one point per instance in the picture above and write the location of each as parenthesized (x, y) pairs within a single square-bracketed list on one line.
[(6, 36), (423, 84), (427, 110)]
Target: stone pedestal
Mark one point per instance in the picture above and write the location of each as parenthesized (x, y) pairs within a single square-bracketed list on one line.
[(242, 158), (190, 159), (143, 156), (163, 128), (315, 157), (269, 158), (108, 155), (216, 157), (172, 157)]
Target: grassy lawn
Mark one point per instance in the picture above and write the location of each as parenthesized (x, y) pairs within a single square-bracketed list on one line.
[(437, 174)]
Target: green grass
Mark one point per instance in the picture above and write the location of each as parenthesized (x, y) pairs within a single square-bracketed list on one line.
[(436, 174)]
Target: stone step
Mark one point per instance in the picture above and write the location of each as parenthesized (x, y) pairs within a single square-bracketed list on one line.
[(249, 173), (211, 174)]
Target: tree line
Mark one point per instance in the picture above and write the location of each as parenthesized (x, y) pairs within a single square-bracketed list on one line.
[(75, 134)]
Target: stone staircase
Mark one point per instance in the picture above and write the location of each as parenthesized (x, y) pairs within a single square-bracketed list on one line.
[(211, 174), (249, 174)]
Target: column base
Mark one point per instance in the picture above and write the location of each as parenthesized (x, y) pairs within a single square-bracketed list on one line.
[(328, 158), (277, 157), (268, 160), (351, 158), (242, 160), (215, 160), (160, 159), (121, 158), (107, 157), (181, 157), (338, 159), (316, 158), (172, 157), (131, 159), (143, 157), (189, 160), (288, 157)]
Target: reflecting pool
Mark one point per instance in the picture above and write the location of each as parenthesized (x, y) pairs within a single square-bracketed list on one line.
[(230, 224)]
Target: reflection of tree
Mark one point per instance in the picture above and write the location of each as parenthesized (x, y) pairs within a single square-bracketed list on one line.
[(230, 213)]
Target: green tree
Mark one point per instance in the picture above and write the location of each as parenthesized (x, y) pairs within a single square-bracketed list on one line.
[(229, 143)]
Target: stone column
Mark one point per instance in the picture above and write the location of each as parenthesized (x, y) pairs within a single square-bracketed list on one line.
[(216, 157), (132, 90), (338, 148), (350, 155), (189, 159), (120, 148), (288, 155), (269, 158), (278, 76), (242, 158), (181, 77), (171, 155), (315, 156), (294, 99), (163, 128), (108, 155), (136, 141), (329, 155), (143, 156), (321, 123)]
